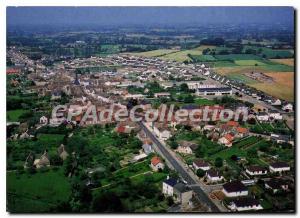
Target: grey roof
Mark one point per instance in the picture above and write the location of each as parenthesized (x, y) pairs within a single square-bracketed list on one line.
[(220, 89), (171, 182), (180, 187)]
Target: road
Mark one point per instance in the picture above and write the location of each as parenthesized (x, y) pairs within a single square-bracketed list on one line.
[(181, 170)]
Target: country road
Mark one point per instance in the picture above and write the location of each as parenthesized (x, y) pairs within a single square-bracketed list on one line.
[(182, 171)]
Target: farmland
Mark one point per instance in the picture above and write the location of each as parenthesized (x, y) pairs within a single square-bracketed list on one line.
[(283, 87), (37, 192)]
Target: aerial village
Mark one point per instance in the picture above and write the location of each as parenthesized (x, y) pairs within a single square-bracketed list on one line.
[(237, 165)]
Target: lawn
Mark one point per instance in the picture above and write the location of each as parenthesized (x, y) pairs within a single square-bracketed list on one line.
[(203, 101), (14, 115), (38, 192), (249, 62)]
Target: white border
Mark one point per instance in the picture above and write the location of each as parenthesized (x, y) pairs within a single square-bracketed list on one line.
[(5, 3)]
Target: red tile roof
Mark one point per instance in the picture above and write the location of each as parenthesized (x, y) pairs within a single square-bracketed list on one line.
[(155, 160), (242, 130), (229, 137), (232, 123)]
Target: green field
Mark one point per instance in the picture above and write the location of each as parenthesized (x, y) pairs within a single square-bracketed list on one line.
[(37, 192), (14, 115), (235, 57), (249, 63)]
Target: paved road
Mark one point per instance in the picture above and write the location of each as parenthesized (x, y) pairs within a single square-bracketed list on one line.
[(181, 170)]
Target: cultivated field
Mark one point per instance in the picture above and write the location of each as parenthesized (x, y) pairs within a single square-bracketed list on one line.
[(286, 61), (283, 87)]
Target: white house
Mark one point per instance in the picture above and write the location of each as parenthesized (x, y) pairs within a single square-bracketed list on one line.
[(279, 167), (235, 189), (157, 164), (276, 102), (161, 133), (43, 120), (226, 140), (262, 116), (214, 176), (256, 171), (276, 185), (275, 115), (245, 204), (186, 147), (200, 164), (287, 107), (162, 95), (168, 186)]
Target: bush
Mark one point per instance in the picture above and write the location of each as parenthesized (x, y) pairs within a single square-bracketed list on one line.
[(218, 162), (200, 173)]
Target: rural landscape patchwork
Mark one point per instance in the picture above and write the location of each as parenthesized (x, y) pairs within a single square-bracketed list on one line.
[(150, 110)]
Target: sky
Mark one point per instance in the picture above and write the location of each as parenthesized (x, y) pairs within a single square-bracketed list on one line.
[(148, 15)]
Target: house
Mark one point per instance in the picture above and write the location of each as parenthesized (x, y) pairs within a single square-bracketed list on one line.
[(277, 102), (276, 185), (162, 95), (287, 107), (43, 161), (235, 189), (186, 147), (256, 171), (200, 164), (214, 91), (281, 139), (157, 164), (242, 132), (161, 132), (168, 186), (232, 123), (43, 120), (262, 116), (55, 95), (274, 115), (214, 176), (279, 167), (182, 193), (226, 140), (62, 152), (29, 161), (147, 147), (245, 204)]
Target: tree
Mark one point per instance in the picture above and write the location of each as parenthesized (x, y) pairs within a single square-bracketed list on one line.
[(107, 202), (199, 151), (189, 99), (218, 162), (184, 87), (200, 173)]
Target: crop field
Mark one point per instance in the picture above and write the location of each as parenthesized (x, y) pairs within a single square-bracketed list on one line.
[(283, 87), (235, 57), (181, 56), (286, 61), (155, 53)]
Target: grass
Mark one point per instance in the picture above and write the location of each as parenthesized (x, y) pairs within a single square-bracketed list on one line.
[(249, 62), (203, 101), (154, 53), (14, 115), (241, 78), (286, 61), (181, 56), (236, 57), (37, 192)]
